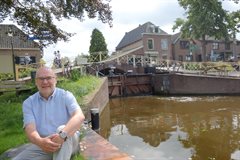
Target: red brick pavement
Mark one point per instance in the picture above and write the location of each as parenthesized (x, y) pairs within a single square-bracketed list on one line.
[(96, 147)]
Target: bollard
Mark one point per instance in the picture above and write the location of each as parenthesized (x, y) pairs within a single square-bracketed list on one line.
[(95, 118)]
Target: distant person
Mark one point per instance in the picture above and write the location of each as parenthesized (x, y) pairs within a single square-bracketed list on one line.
[(57, 59), (58, 55), (67, 68), (52, 118)]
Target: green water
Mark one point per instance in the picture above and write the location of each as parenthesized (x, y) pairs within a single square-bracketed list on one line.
[(174, 128)]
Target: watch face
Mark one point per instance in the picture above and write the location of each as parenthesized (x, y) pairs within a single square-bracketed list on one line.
[(63, 134)]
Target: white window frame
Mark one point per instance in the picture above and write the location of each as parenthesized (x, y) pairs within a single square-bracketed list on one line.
[(215, 45), (164, 44)]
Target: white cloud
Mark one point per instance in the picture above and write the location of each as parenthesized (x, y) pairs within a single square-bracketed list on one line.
[(127, 15)]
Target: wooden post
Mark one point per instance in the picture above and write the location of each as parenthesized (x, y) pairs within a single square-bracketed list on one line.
[(17, 72), (134, 61)]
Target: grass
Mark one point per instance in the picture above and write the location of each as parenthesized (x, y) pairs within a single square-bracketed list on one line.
[(12, 134), (11, 124), (81, 87)]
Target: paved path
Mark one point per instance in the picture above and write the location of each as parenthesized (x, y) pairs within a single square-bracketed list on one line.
[(95, 147)]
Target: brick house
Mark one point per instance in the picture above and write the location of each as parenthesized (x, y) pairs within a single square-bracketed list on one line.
[(150, 40), (13, 40), (191, 50)]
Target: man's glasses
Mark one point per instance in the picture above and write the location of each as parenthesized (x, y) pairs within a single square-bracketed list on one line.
[(45, 78)]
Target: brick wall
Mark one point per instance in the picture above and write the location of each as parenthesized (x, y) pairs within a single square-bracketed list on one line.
[(98, 99)]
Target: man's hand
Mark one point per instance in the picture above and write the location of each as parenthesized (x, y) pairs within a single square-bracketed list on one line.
[(49, 145), (57, 139)]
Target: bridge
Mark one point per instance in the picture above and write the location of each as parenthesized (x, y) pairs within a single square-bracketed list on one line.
[(125, 63), (130, 74)]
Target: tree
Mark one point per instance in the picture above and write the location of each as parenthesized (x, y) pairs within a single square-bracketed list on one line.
[(37, 17), (205, 18), (98, 47)]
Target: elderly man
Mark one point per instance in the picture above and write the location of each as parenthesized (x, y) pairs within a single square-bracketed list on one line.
[(52, 118)]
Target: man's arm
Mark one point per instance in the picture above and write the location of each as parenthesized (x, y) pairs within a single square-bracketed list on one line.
[(72, 125), (46, 144)]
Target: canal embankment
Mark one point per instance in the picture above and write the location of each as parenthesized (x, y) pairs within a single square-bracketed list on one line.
[(92, 144), (172, 84), (190, 84)]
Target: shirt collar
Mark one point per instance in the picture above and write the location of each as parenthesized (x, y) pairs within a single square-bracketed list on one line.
[(51, 97)]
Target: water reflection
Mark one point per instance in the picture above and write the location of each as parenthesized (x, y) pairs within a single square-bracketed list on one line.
[(176, 128)]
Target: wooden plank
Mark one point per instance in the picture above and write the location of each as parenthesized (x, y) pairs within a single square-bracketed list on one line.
[(11, 82), (13, 86), (10, 86)]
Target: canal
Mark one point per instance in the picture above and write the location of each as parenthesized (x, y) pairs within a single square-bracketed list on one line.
[(174, 128)]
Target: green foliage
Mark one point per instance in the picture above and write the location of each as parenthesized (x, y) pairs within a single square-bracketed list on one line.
[(234, 23), (205, 18), (78, 157), (25, 72), (80, 87), (6, 76), (36, 17), (75, 74), (11, 121), (98, 46), (22, 72)]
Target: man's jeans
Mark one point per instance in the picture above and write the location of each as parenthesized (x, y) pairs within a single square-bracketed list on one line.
[(69, 147)]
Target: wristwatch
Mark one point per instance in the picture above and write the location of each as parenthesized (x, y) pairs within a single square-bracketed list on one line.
[(63, 135)]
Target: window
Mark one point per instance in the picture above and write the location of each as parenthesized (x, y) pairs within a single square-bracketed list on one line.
[(22, 60), (150, 43), (215, 45), (184, 44), (164, 44), (227, 46)]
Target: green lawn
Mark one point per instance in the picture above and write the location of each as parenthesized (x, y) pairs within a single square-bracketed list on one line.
[(11, 132)]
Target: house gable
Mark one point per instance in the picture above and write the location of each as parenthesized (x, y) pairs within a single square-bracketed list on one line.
[(136, 34), (20, 39), (15, 48)]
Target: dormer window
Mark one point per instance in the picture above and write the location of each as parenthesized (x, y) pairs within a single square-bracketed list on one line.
[(153, 29)]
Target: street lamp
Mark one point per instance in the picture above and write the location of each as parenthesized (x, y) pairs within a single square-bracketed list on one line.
[(10, 34)]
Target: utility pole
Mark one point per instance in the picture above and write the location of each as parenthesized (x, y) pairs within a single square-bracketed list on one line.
[(10, 34)]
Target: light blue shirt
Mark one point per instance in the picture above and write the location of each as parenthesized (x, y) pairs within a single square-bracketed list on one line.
[(49, 114)]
